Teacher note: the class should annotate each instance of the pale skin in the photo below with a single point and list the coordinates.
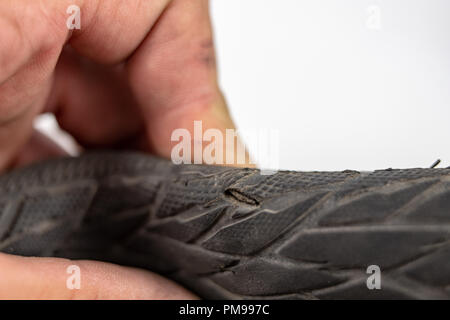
(137, 70)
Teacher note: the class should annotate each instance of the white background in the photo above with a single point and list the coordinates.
(342, 95)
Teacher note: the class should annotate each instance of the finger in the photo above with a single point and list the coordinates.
(174, 75)
(110, 31)
(47, 278)
(33, 34)
(27, 57)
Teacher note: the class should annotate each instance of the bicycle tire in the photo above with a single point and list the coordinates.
(228, 233)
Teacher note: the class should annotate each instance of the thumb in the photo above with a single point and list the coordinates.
(50, 278)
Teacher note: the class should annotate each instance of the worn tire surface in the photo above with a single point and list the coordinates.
(234, 233)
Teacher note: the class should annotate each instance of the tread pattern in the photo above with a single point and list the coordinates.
(235, 234)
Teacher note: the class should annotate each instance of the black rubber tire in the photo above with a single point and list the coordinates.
(234, 233)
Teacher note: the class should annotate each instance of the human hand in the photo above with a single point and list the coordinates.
(134, 72)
